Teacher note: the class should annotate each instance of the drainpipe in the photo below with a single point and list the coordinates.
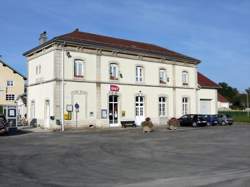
(62, 90)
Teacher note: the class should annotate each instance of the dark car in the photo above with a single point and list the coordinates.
(225, 119)
(4, 127)
(193, 120)
(212, 120)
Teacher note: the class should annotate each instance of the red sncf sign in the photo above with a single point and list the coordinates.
(114, 88)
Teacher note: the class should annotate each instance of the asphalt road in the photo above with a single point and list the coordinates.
(213, 156)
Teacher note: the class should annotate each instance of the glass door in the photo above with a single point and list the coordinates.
(139, 110)
(113, 110)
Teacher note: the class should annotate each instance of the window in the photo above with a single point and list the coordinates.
(162, 106)
(139, 74)
(10, 97)
(79, 68)
(10, 83)
(185, 78)
(113, 71)
(163, 76)
(185, 105)
(38, 69)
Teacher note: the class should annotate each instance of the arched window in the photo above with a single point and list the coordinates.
(113, 71)
(185, 78)
(79, 68)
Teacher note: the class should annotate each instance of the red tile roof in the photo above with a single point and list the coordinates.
(118, 44)
(222, 99)
(205, 82)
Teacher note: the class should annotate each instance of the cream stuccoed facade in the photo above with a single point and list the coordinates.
(103, 100)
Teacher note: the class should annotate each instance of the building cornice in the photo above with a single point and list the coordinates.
(109, 83)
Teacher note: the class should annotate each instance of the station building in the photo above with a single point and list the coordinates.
(82, 79)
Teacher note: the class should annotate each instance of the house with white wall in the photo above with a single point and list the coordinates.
(207, 95)
(81, 79)
(223, 103)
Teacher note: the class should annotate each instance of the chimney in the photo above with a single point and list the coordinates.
(43, 38)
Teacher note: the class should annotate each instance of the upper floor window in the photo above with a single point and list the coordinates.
(162, 106)
(38, 69)
(79, 68)
(163, 76)
(113, 71)
(185, 78)
(10, 97)
(185, 105)
(10, 83)
(139, 74)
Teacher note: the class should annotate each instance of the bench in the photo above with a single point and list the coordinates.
(128, 124)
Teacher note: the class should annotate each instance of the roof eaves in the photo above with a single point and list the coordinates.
(14, 71)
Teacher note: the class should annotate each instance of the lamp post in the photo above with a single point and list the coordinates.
(247, 105)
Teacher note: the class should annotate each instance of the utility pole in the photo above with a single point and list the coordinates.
(247, 105)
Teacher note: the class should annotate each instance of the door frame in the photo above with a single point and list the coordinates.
(46, 112)
(118, 110)
(139, 119)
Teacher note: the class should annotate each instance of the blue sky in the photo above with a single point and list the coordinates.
(216, 32)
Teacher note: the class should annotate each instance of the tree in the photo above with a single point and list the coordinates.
(227, 91)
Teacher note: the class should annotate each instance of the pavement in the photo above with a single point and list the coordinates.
(209, 156)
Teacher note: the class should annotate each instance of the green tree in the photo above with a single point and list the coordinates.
(228, 92)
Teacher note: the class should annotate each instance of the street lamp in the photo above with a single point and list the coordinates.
(247, 104)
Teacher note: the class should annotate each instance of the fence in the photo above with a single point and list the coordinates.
(238, 116)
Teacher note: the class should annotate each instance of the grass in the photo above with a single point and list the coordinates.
(238, 116)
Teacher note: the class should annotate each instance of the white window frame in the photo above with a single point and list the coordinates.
(10, 81)
(163, 76)
(79, 68)
(10, 97)
(185, 78)
(185, 105)
(113, 71)
(162, 106)
(139, 73)
(139, 105)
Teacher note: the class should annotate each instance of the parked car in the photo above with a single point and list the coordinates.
(212, 120)
(225, 119)
(4, 126)
(193, 120)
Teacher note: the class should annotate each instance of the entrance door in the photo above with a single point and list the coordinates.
(139, 110)
(47, 115)
(113, 110)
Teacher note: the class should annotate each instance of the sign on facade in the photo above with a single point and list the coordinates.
(114, 88)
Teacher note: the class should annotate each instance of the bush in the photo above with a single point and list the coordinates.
(238, 116)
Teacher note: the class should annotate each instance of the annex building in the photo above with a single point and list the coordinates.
(86, 79)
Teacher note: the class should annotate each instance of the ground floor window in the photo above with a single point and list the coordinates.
(162, 106)
(185, 105)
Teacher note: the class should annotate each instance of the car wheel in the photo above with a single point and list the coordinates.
(194, 124)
